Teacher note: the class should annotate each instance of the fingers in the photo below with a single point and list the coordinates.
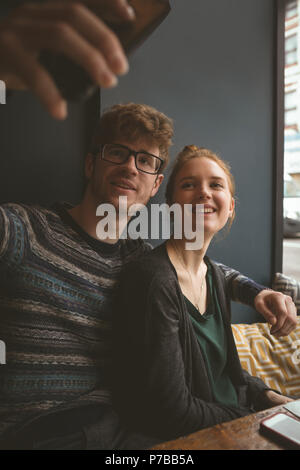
(279, 310)
(261, 305)
(276, 398)
(113, 11)
(61, 38)
(286, 315)
(64, 27)
(24, 65)
(63, 20)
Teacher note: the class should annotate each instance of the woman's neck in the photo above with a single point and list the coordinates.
(192, 259)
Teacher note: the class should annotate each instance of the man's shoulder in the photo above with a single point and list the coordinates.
(24, 211)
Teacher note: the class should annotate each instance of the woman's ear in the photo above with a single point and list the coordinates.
(232, 207)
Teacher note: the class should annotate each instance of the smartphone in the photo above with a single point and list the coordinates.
(293, 407)
(282, 428)
(149, 15)
(72, 81)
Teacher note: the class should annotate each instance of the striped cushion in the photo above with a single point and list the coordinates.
(288, 286)
(275, 361)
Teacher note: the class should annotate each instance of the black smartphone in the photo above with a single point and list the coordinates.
(282, 428)
(149, 15)
(72, 81)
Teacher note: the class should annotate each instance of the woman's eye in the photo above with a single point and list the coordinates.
(187, 185)
(217, 185)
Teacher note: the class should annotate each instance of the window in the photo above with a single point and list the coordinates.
(291, 184)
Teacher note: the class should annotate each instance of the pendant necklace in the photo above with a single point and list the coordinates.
(181, 260)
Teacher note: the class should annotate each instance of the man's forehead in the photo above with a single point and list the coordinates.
(147, 144)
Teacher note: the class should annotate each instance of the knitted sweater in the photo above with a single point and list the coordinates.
(56, 291)
(56, 285)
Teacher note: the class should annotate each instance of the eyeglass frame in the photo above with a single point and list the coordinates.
(99, 151)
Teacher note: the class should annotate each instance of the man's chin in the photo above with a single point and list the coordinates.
(121, 203)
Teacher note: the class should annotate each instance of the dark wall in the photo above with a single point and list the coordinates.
(41, 159)
(210, 67)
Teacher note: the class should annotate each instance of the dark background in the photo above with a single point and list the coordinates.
(210, 66)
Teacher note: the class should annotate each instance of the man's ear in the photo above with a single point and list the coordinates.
(89, 165)
(158, 180)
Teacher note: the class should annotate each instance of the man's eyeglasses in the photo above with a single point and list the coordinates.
(119, 154)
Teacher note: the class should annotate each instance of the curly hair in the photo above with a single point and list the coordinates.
(133, 121)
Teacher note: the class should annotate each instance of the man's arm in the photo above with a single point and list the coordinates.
(278, 309)
(75, 29)
(4, 232)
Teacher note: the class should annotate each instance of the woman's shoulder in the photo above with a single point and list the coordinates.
(153, 264)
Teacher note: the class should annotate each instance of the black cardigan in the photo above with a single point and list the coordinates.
(160, 382)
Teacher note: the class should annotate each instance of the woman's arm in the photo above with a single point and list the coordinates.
(150, 383)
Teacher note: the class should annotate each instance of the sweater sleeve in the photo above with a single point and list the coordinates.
(5, 230)
(13, 234)
(240, 288)
(150, 385)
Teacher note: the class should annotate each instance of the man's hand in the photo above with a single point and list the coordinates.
(276, 399)
(64, 27)
(278, 309)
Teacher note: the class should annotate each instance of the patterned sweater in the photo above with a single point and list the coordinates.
(56, 292)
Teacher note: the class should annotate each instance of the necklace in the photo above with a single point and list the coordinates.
(181, 260)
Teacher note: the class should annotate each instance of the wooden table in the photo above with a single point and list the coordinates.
(240, 434)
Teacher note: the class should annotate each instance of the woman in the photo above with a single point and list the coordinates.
(177, 365)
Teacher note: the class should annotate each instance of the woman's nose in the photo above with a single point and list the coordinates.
(204, 192)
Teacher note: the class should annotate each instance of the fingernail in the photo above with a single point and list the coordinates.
(60, 110)
(119, 64)
(131, 12)
(110, 81)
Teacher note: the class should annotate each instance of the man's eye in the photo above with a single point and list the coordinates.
(116, 153)
(146, 161)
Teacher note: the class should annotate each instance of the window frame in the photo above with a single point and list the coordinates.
(278, 171)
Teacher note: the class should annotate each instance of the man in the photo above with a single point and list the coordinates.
(57, 283)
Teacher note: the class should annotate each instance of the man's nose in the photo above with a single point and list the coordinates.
(130, 164)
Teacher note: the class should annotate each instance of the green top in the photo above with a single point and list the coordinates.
(210, 332)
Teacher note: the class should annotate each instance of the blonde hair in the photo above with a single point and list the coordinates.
(132, 121)
(188, 153)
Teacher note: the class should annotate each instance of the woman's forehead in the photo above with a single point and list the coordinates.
(202, 166)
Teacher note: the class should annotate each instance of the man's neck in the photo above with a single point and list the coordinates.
(85, 216)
